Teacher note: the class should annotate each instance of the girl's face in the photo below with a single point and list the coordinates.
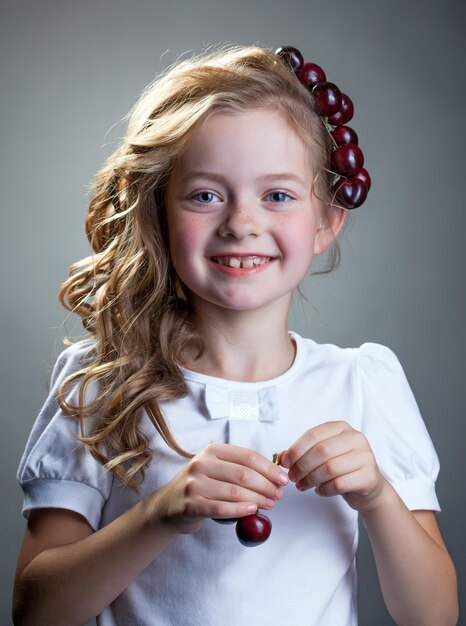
(242, 221)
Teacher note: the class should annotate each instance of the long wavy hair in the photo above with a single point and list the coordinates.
(127, 293)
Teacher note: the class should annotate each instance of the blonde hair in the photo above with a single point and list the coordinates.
(127, 293)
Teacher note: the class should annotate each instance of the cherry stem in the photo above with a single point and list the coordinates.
(329, 129)
(333, 140)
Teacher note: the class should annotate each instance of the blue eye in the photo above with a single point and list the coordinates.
(279, 196)
(203, 193)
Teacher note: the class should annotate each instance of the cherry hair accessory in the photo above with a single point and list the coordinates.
(352, 182)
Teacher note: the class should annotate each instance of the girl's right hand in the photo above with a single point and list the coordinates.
(222, 481)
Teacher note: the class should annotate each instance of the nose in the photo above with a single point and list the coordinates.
(241, 220)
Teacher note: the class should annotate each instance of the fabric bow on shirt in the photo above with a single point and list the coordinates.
(241, 404)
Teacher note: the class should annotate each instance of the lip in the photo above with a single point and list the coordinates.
(240, 271)
(240, 255)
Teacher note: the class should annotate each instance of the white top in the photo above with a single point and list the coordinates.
(306, 572)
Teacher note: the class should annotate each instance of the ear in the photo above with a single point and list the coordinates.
(332, 222)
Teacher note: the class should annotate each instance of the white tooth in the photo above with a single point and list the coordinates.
(248, 263)
(234, 262)
(258, 261)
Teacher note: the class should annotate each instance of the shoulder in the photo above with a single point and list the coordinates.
(77, 351)
(376, 353)
(377, 365)
(366, 355)
(369, 366)
(73, 358)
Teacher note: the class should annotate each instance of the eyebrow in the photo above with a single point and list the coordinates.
(264, 178)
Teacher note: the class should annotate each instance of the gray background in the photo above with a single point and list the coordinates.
(70, 72)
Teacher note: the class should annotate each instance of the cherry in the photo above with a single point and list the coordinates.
(364, 176)
(351, 193)
(344, 134)
(292, 56)
(225, 520)
(345, 112)
(311, 74)
(347, 159)
(327, 98)
(252, 530)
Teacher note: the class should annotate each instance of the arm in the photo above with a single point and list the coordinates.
(416, 574)
(67, 574)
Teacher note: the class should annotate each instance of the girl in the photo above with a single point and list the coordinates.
(202, 224)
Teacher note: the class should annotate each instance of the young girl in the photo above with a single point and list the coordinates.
(167, 416)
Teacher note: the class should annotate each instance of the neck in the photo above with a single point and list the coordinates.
(243, 345)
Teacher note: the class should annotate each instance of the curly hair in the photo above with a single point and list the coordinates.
(127, 293)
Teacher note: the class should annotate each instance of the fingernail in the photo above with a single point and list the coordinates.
(285, 461)
(291, 475)
(283, 479)
(252, 508)
(270, 502)
(301, 486)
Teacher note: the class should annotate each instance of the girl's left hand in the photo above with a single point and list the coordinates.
(338, 460)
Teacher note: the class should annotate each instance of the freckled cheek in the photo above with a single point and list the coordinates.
(187, 238)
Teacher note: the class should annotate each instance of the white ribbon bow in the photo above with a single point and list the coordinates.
(242, 405)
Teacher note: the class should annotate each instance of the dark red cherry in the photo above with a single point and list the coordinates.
(225, 520)
(292, 56)
(311, 74)
(344, 134)
(364, 176)
(351, 193)
(254, 529)
(327, 98)
(345, 112)
(347, 159)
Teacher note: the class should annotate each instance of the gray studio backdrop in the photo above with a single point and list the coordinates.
(71, 71)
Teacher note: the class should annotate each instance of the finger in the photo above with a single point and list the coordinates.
(217, 490)
(279, 457)
(243, 476)
(321, 452)
(251, 459)
(331, 469)
(341, 485)
(217, 509)
(309, 439)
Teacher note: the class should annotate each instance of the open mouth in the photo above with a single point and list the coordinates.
(241, 262)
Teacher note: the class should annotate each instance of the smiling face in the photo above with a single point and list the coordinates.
(242, 220)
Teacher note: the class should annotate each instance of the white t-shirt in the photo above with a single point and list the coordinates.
(306, 572)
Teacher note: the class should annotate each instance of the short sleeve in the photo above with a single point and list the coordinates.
(394, 427)
(56, 470)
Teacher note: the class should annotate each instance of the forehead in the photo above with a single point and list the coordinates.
(255, 141)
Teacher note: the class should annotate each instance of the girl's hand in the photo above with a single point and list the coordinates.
(222, 481)
(338, 460)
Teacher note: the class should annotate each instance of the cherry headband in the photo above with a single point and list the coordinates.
(336, 108)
